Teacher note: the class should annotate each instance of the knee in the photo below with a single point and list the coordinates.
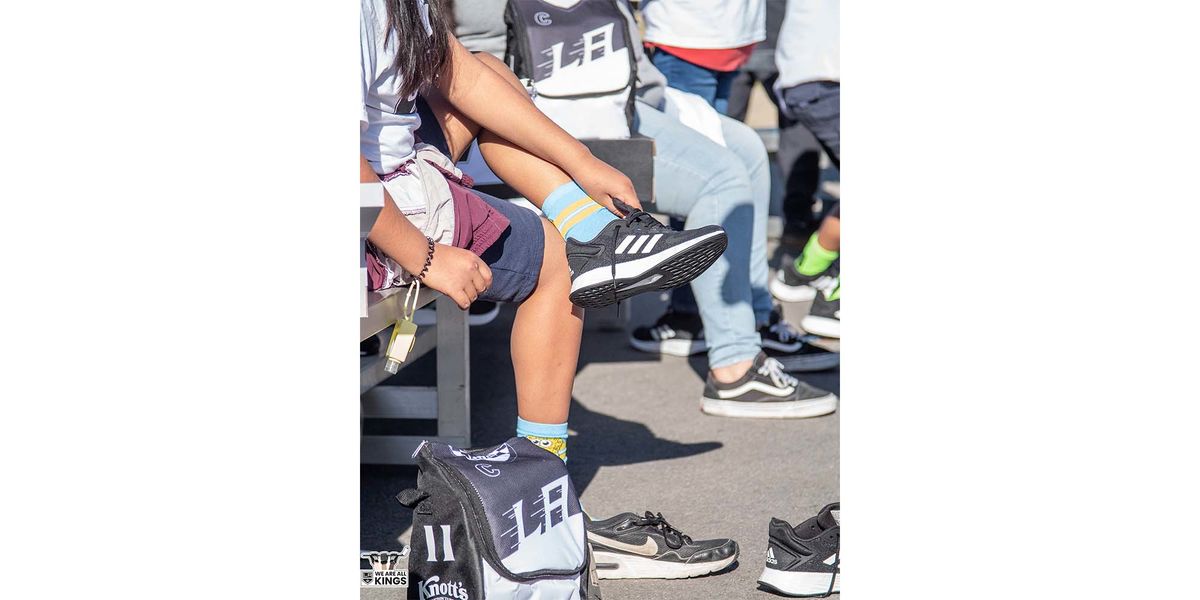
(555, 272)
(502, 69)
(730, 182)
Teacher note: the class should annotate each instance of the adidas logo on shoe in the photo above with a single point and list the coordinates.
(638, 254)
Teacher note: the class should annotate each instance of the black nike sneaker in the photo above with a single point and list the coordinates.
(631, 547)
(637, 254)
(802, 561)
(783, 342)
(677, 334)
(825, 316)
(789, 285)
(766, 391)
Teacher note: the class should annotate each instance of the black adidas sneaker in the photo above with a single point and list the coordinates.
(766, 391)
(783, 342)
(677, 334)
(789, 285)
(803, 560)
(631, 547)
(825, 316)
(637, 254)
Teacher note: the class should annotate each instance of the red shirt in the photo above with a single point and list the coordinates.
(717, 59)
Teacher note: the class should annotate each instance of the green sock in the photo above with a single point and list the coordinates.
(815, 259)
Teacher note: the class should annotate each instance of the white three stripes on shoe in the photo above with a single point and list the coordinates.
(653, 241)
(638, 240)
(638, 244)
(624, 244)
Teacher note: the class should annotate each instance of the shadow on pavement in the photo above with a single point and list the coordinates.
(610, 441)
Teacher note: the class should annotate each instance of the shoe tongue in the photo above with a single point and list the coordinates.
(830, 516)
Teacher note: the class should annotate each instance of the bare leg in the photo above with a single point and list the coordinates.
(830, 233)
(545, 339)
(529, 175)
(548, 327)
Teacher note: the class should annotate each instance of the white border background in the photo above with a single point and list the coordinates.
(1019, 399)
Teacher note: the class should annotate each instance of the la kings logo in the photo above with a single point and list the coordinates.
(547, 510)
(503, 453)
(436, 589)
(593, 45)
(387, 568)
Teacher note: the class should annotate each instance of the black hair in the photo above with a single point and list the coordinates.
(420, 56)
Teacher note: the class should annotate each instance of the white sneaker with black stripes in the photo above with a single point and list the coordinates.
(638, 254)
(766, 392)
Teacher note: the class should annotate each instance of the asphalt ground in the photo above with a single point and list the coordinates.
(640, 443)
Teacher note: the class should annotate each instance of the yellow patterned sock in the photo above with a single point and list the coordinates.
(551, 437)
(554, 445)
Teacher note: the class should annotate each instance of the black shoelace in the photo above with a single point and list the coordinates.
(674, 537)
(635, 218)
(837, 561)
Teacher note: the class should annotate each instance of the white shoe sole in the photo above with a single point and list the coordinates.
(795, 583)
(791, 293)
(610, 565)
(671, 347)
(637, 268)
(796, 409)
(822, 326)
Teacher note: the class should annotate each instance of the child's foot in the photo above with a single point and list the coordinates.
(766, 392)
(789, 285)
(781, 341)
(631, 547)
(677, 334)
(638, 254)
(825, 316)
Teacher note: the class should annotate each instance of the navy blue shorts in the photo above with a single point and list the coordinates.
(516, 258)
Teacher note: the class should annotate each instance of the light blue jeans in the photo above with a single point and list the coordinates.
(706, 184)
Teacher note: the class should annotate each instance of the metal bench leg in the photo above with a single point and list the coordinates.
(453, 372)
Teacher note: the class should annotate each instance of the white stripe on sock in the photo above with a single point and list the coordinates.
(638, 244)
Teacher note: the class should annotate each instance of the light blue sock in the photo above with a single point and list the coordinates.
(551, 437)
(574, 214)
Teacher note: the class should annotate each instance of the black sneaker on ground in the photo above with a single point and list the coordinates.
(637, 254)
(789, 285)
(631, 547)
(825, 316)
(677, 334)
(766, 391)
(784, 343)
(802, 561)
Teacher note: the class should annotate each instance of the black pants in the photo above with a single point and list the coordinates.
(798, 156)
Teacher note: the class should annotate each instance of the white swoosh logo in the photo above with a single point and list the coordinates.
(647, 548)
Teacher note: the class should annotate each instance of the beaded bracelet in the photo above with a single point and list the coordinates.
(428, 260)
